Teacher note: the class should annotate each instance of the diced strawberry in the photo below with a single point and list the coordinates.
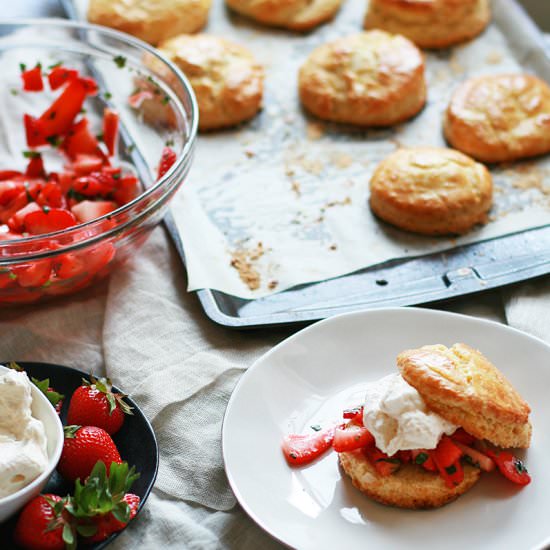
(463, 436)
(127, 189)
(51, 195)
(7, 279)
(9, 189)
(32, 80)
(79, 140)
(9, 210)
(86, 211)
(138, 98)
(510, 466)
(17, 221)
(59, 76)
(302, 449)
(355, 414)
(47, 221)
(384, 465)
(452, 475)
(33, 274)
(85, 164)
(476, 457)
(90, 85)
(110, 130)
(167, 159)
(65, 180)
(446, 453)
(9, 174)
(58, 118)
(351, 437)
(422, 457)
(35, 168)
(404, 456)
(34, 131)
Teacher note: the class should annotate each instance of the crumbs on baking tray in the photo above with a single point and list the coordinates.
(243, 261)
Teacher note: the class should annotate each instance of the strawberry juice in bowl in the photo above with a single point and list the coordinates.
(97, 134)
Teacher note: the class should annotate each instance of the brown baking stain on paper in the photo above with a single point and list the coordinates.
(243, 261)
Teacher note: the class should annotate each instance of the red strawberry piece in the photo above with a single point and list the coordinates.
(61, 75)
(83, 448)
(40, 524)
(168, 157)
(95, 404)
(86, 211)
(48, 220)
(110, 130)
(34, 131)
(32, 79)
(302, 449)
(35, 168)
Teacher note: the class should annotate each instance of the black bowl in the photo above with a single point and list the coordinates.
(135, 441)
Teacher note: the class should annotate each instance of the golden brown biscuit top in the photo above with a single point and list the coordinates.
(462, 372)
(430, 175)
(502, 105)
(212, 63)
(143, 10)
(369, 63)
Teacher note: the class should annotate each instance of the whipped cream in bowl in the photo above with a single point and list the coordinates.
(31, 440)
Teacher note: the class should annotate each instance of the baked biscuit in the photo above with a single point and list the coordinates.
(297, 15)
(225, 77)
(150, 20)
(432, 191)
(371, 79)
(500, 118)
(430, 23)
(463, 387)
(410, 487)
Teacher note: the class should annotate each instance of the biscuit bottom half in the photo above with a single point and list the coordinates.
(410, 487)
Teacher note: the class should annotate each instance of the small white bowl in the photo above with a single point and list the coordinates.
(43, 410)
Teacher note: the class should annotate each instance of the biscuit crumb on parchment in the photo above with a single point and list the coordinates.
(243, 261)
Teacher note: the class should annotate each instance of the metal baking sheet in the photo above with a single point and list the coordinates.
(412, 281)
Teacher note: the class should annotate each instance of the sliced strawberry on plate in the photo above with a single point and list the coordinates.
(384, 464)
(83, 447)
(301, 449)
(95, 404)
(510, 466)
(87, 211)
(351, 437)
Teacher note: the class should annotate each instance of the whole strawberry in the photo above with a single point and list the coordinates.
(102, 505)
(41, 524)
(82, 448)
(95, 404)
(109, 524)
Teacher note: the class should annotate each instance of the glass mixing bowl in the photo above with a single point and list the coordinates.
(76, 257)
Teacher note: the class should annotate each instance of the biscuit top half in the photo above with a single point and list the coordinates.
(462, 386)
(369, 63)
(502, 107)
(432, 177)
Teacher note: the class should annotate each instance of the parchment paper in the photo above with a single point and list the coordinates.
(282, 200)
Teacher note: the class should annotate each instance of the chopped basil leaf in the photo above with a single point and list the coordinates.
(12, 276)
(23, 67)
(120, 61)
(13, 91)
(55, 65)
(100, 136)
(519, 466)
(421, 458)
(165, 100)
(116, 176)
(108, 95)
(293, 455)
(169, 142)
(316, 427)
(451, 470)
(471, 461)
(52, 115)
(31, 154)
(54, 141)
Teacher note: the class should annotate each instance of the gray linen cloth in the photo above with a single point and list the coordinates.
(143, 330)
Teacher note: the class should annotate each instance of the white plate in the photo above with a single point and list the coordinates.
(312, 376)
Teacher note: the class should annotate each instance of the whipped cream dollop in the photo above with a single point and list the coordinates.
(23, 444)
(397, 417)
